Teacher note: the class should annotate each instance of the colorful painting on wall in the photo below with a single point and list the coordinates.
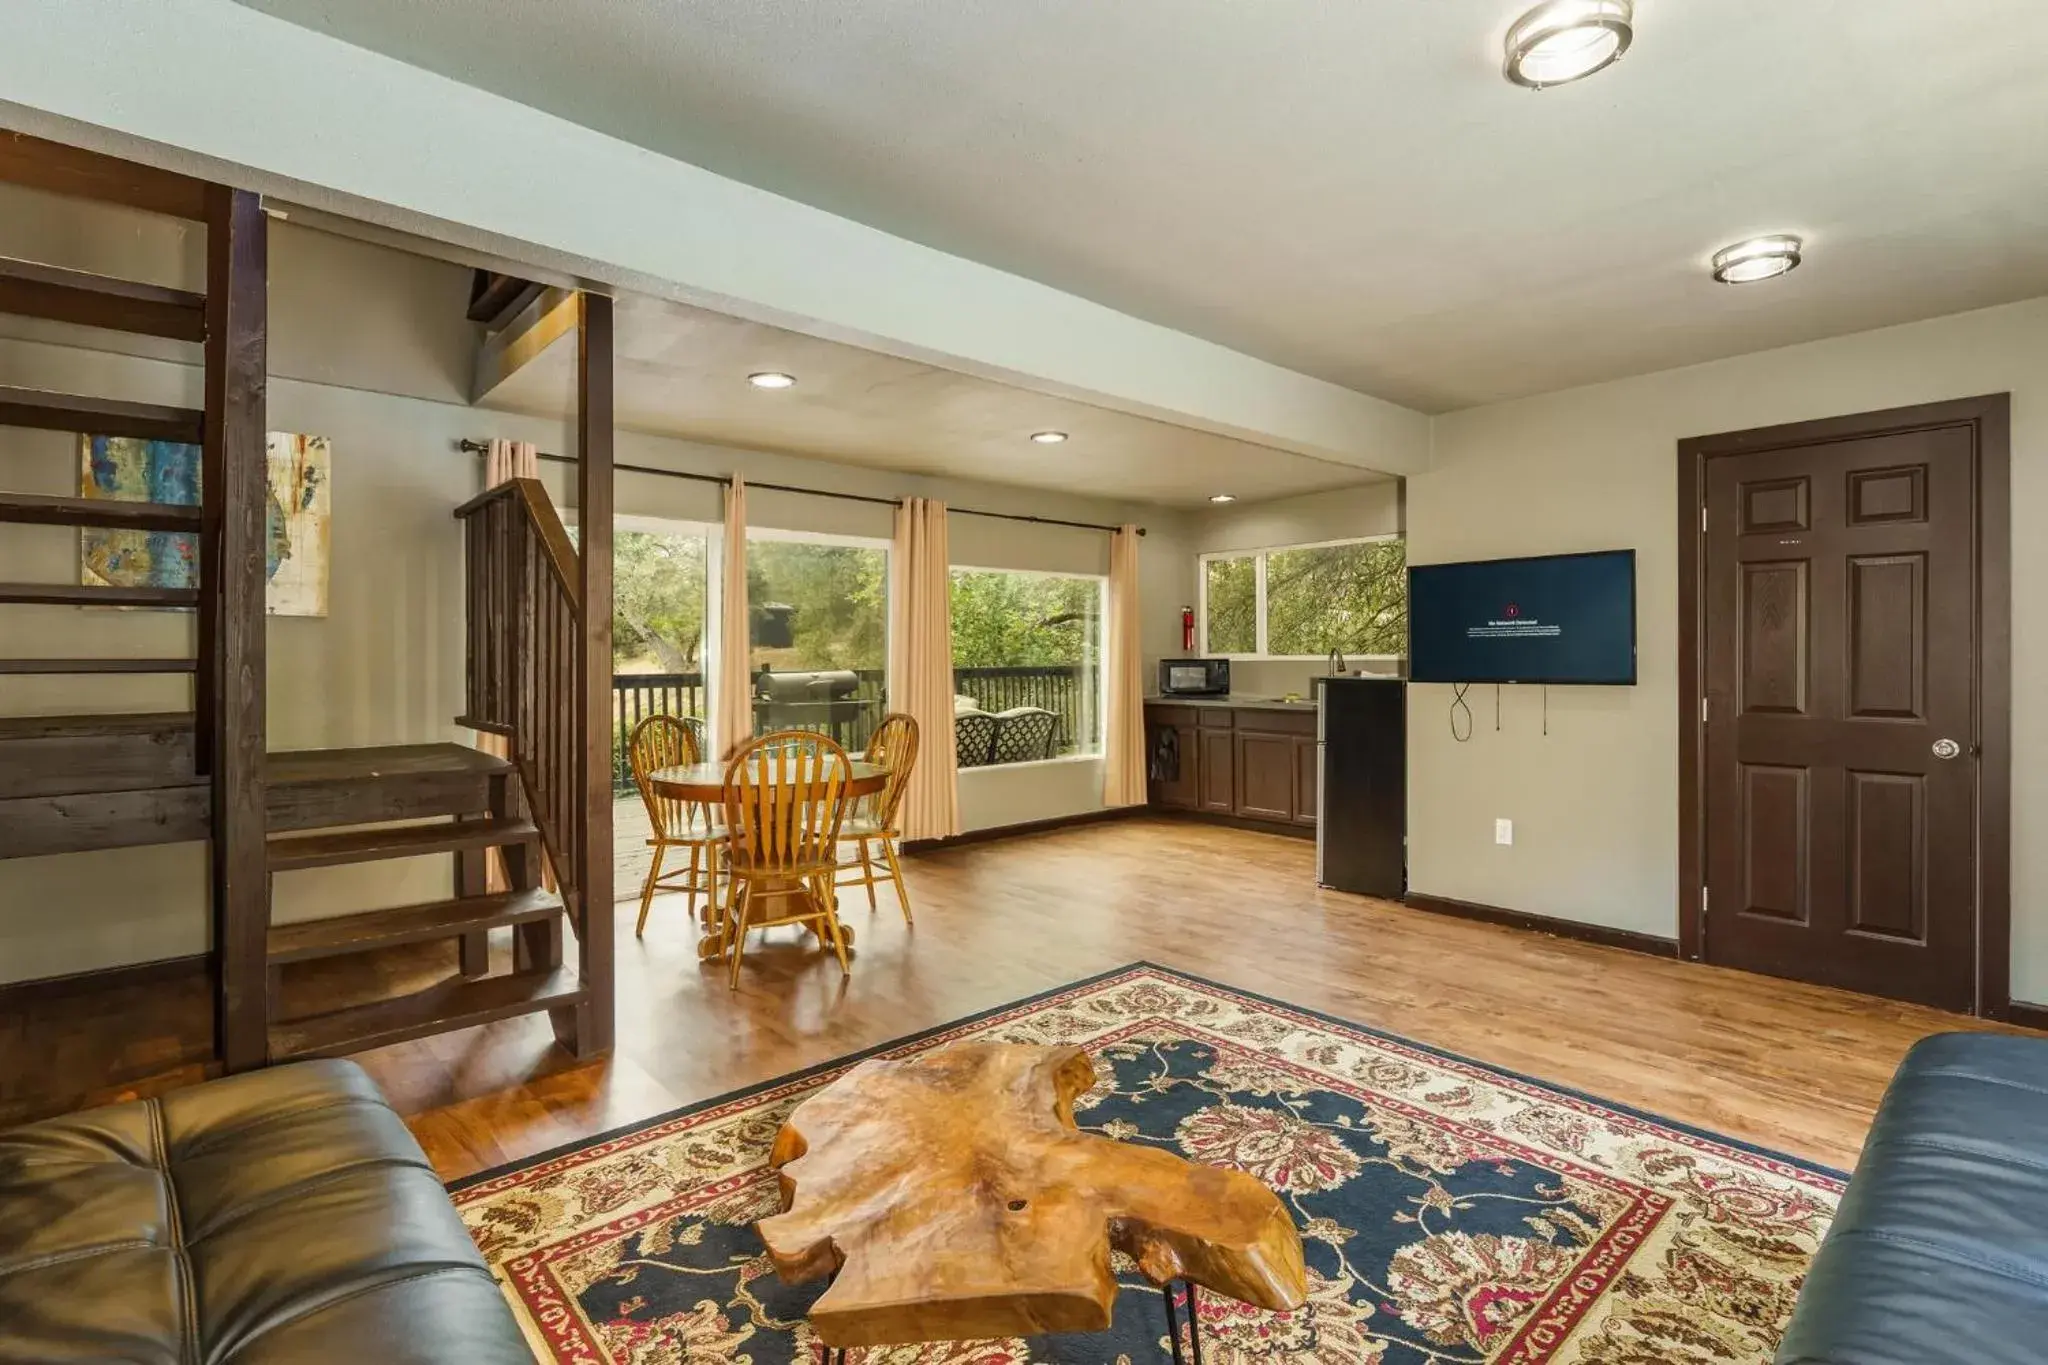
(296, 521)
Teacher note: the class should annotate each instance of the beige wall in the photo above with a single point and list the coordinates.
(1373, 509)
(1595, 802)
(363, 352)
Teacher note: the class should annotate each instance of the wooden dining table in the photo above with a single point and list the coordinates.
(704, 783)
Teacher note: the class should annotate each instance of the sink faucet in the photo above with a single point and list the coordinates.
(1336, 663)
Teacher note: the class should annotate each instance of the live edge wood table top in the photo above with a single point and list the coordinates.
(952, 1198)
(706, 781)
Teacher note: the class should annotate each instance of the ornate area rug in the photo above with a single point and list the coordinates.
(1451, 1213)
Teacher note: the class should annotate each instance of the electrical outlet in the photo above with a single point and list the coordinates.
(1504, 831)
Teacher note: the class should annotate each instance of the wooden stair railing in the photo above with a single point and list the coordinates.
(525, 624)
(525, 647)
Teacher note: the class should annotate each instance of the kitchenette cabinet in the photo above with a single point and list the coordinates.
(1240, 760)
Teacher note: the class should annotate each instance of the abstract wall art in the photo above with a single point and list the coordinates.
(297, 517)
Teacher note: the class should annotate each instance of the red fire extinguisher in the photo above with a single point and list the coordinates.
(1187, 629)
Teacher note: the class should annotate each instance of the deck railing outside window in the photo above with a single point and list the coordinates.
(1067, 691)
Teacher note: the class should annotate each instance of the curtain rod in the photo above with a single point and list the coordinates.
(484, 447)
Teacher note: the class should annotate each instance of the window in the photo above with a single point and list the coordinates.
(818, 630)
(1027, 651)
(659, 611)
(1302, 601)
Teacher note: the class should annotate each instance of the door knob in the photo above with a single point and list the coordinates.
(1946, 748)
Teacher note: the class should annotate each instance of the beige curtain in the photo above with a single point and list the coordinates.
(1123, 741)
(921, 665)
(732, 699)
(503, 462)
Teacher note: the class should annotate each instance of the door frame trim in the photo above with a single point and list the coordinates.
(1990, 418)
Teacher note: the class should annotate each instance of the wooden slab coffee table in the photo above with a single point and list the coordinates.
(951, 1198)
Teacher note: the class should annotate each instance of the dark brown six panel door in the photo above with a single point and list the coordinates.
(1841, 735)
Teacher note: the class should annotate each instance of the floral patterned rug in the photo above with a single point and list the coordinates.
(1452, 1214)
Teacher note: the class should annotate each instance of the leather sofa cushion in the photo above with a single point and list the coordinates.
(1939, 1253)
(282, 1216)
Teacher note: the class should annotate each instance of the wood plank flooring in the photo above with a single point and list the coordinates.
(1792, 1067)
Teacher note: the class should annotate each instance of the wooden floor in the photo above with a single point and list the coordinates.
(1792, 1067)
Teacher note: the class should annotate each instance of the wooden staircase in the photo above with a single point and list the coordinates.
(72, 784)
(335, 806)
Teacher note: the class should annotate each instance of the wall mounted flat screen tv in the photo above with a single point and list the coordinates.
(1551, 619)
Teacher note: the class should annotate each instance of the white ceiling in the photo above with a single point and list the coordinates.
(1350, 190)
(681, 371)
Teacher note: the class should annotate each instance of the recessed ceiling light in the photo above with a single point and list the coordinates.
(1566, 40)
(771, 379)
(1048, 438)
(1759, 258)
(1223, 497)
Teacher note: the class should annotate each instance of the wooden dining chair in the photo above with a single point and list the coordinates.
(892, 748)
(669, 742)
(785, 799)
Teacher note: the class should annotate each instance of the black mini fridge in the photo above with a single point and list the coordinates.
(1362, 786)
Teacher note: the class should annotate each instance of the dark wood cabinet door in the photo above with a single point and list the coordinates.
(1218, 768)
(1306, 776)
(1265, 776)
(1841, 738)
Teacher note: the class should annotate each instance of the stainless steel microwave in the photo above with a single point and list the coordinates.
(1194, 677)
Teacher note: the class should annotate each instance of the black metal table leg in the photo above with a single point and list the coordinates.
(1173, 1324)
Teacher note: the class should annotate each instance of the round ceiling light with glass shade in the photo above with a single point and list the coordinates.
(1568, 40)
(1048, 438)
(771, 379)
(1759, 258)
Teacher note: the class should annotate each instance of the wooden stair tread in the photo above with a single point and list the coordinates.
(77, 595)
(31, 289)
(378, 761)
(411, 841)
(100, 416)
(408, 924)
(94, 726)
(32, 509)
(82, 666)
(453, 1004)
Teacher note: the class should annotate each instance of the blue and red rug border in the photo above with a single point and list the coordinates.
(681, 1111)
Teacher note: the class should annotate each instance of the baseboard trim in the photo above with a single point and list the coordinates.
(982, 836)
(2026, 1015)
(16, 994)
(1233, 822)
(1627, 939)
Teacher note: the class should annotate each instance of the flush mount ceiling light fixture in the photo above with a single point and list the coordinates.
(1759, 258)
(1048, 438)
(772, 379)
(1567, 40)
(1223, 497)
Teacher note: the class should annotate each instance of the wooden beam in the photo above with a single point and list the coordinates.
(550, 319)
(594, 1015)
(232, 579)
(99, 416)
(32, 290)
(52, 166)
(495, 299)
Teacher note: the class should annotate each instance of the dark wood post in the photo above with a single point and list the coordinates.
(232, 579)
(592, 806)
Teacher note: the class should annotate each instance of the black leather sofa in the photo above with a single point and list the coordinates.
(284, 1217)
(1939, 1254)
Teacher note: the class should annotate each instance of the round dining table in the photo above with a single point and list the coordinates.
(705, 783)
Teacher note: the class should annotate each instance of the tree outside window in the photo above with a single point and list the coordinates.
(1302, 601)
(1025, 642)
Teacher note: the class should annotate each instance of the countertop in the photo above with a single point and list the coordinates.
(1236, 701)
